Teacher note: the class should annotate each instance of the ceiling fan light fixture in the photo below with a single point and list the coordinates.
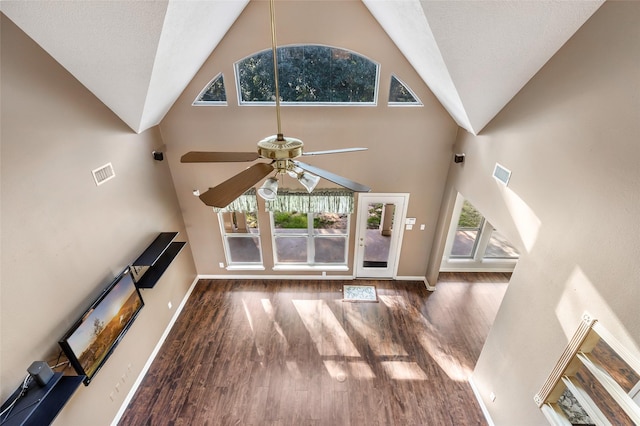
(308, 180)
(269, 189)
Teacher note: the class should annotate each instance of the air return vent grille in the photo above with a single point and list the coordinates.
(502, 174)
(103, 174)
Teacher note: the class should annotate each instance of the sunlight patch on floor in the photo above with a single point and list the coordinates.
(430, 340)
(268, 309)
(354, 369)
(294, 369)
(403, 370)
(380, 344)
(248, 314)
(324, 328)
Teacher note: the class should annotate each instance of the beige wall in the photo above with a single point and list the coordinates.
(409, 148)
(64, 238)
(570, 138)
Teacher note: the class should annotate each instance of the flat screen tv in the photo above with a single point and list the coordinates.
(94, 336)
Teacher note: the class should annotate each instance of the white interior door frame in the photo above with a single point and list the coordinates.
(401, 201)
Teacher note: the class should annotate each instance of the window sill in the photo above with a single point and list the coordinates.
(245, 268)
(311, 268)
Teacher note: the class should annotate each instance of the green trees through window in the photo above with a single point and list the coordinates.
(214, 93)
(309, 74)
(400, 94)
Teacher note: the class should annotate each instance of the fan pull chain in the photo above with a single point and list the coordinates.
(280, 136)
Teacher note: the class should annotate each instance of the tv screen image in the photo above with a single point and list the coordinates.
(93, 337)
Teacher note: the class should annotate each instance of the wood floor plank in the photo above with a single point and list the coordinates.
(289, 352)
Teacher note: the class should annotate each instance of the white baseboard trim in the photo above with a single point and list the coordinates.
(423, 279)
(473, 268)
(307, 277)
(483, 407)
(155, 351)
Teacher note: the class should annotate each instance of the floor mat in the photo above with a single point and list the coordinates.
(359, 293)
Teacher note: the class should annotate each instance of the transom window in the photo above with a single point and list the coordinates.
(401, 95)
(213, 93)
(311, 74)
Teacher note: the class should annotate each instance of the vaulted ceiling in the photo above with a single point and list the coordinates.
(138, 56)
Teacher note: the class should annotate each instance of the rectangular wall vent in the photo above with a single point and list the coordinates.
(502, 174)
(103, 174)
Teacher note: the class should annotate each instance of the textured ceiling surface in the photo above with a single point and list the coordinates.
(138, 56)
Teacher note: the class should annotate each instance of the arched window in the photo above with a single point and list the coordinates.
(309, 74)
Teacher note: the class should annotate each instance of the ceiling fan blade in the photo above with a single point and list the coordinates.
(223, 194)
(342, 181)
(334, 151)
(218, 157)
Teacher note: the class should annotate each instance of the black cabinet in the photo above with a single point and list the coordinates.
(154, 261)
(40, 404)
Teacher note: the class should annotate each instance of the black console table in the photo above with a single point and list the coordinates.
(157, 258)
(40, 404)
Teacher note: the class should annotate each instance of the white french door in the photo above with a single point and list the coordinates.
(379, 233)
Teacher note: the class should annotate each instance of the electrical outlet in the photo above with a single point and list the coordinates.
(221, 264)
(422, 227)
(169, 305)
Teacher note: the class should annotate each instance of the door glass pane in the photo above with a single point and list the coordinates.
(378, 236)
(330, 249)
(468, 232)
(291, 249)
(500, 248)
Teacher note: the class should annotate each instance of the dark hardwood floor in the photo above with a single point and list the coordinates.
(287, 352)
